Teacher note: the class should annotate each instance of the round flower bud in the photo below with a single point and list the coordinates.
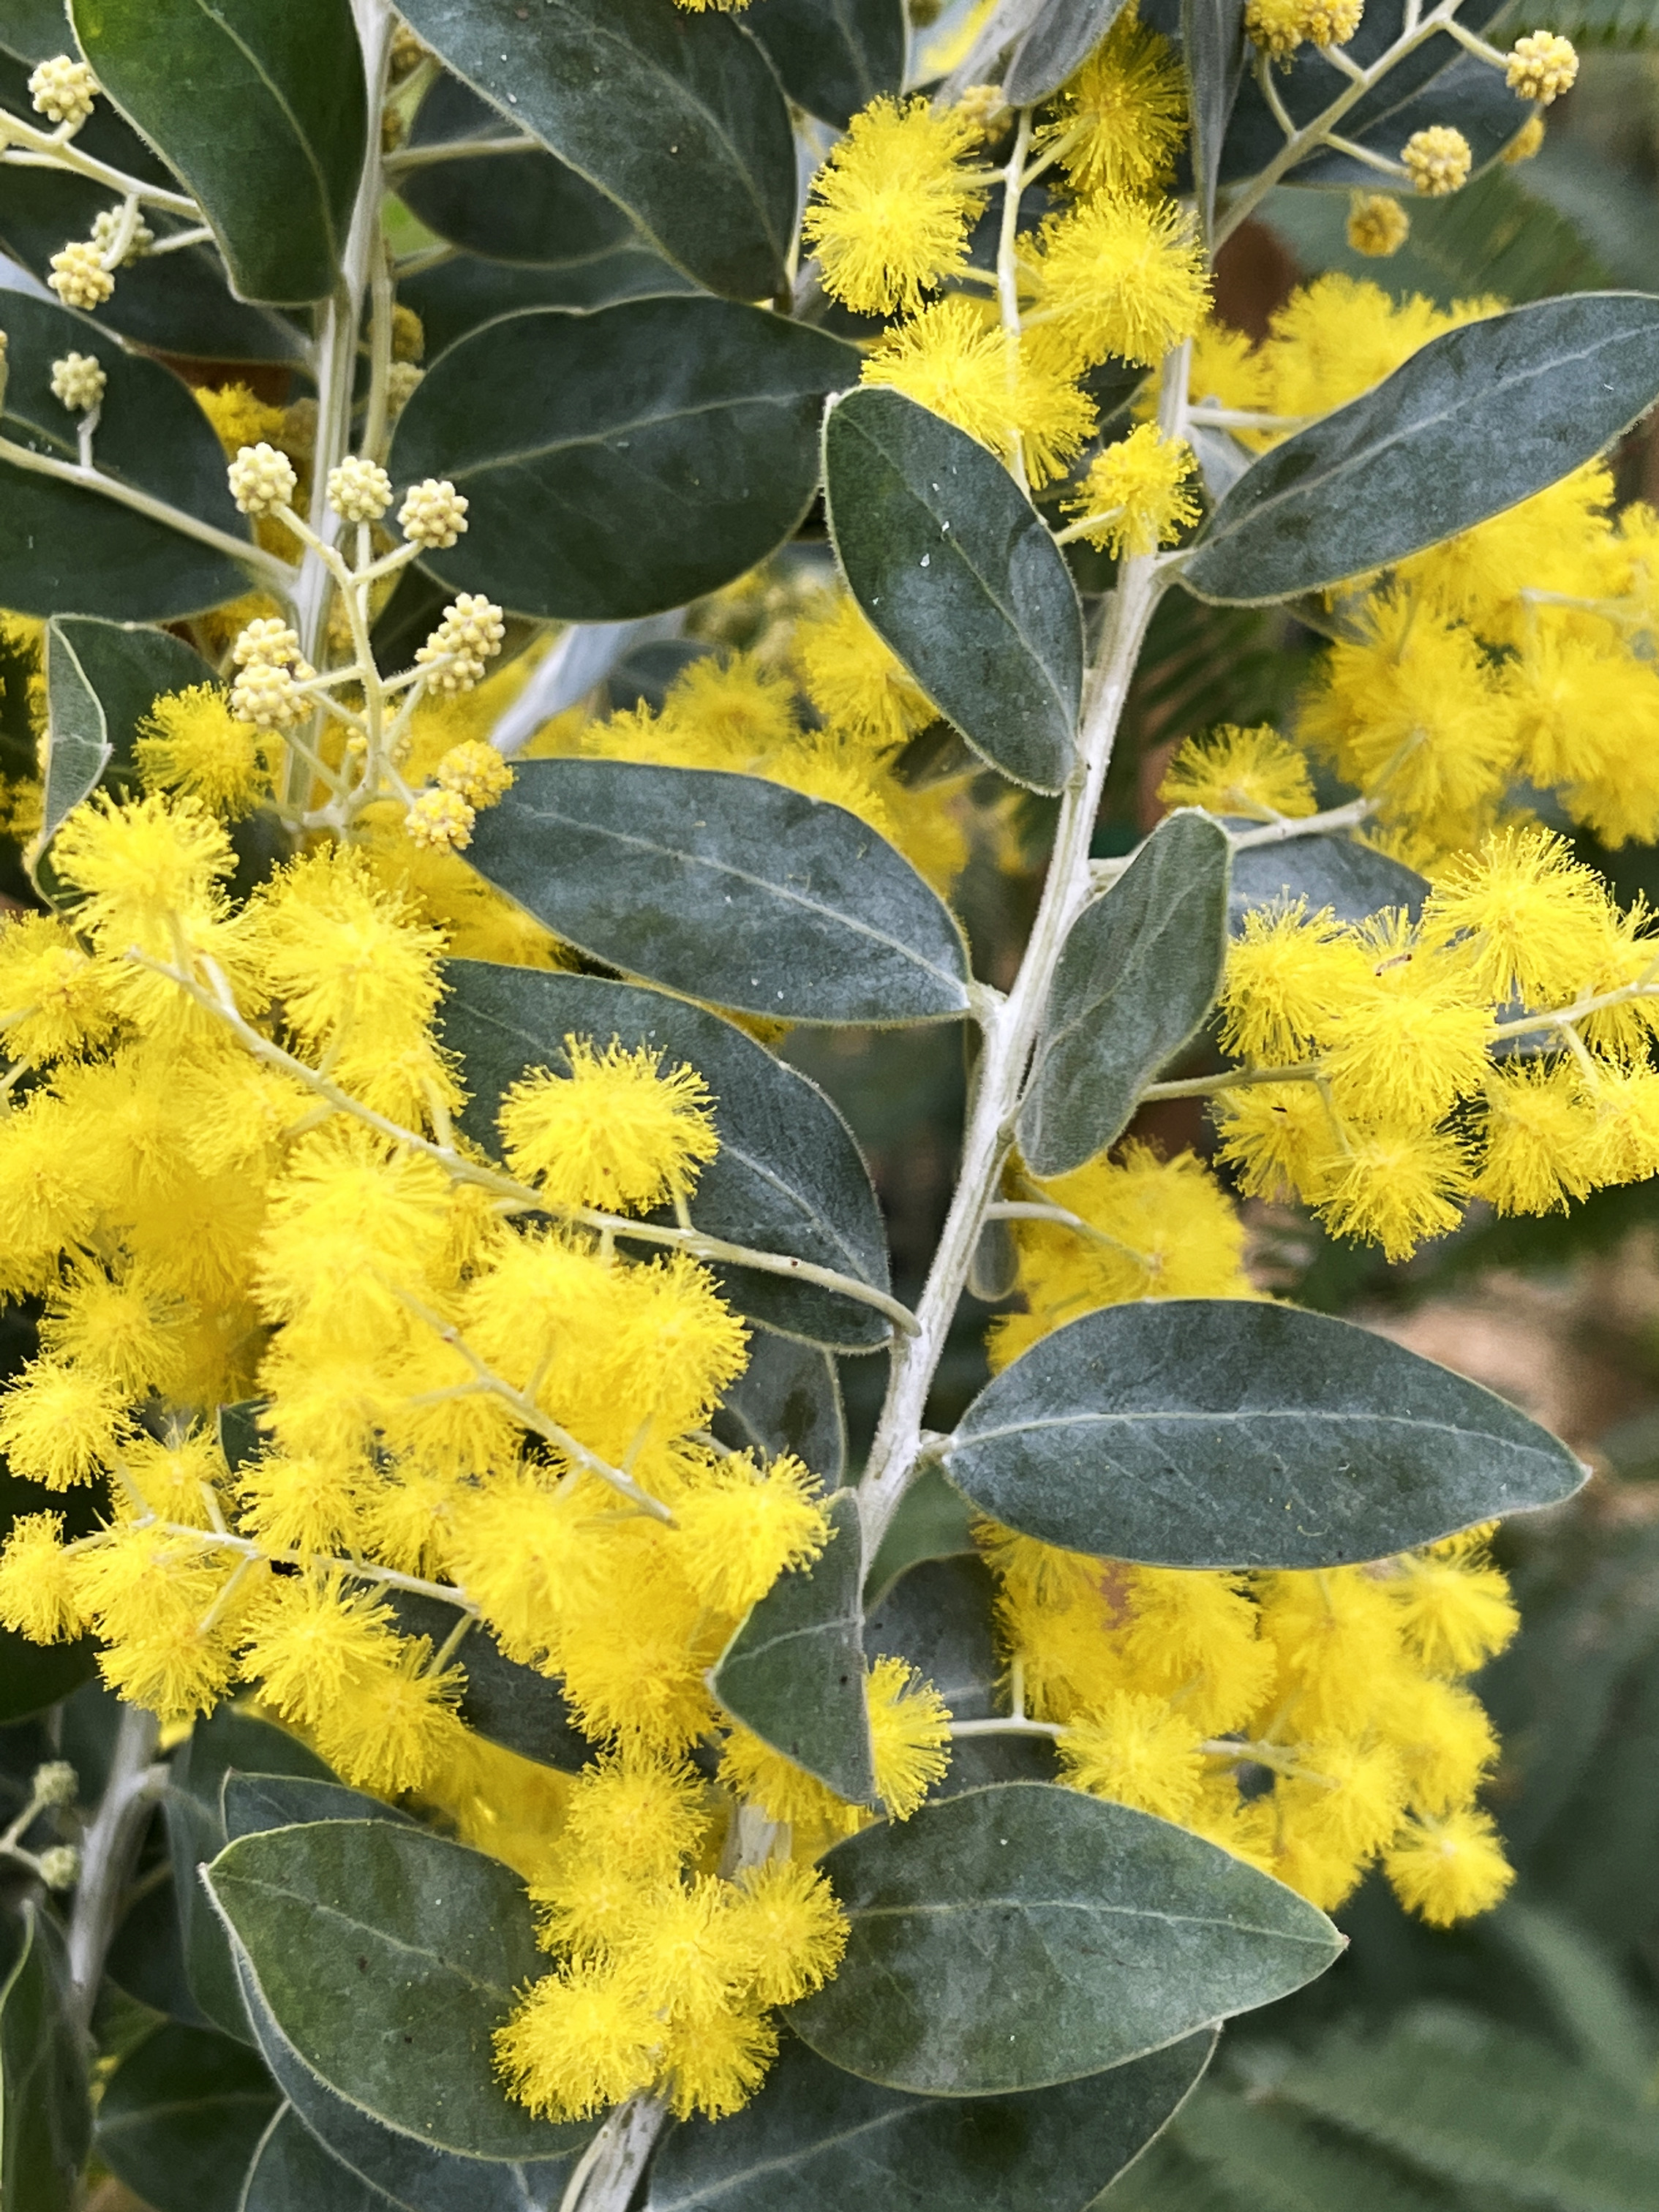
(269, 696)
(406, 53)
(267, 640)
(60, 1866)
(78, 381)
(1378, 224)
(79, 276)
(1526, 141)
(407, 335)
(474, 623)
(433, 514)
(1438, 160)
(359, 490)
(1543, 66)
(1280, 27)
(441, 818)
(261, 479)
(474, 771)
(64, 90)
(980, 105)
(401, 379)
(105, 226)
(54, 1784)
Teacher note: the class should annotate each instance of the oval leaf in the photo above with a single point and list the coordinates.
(292, 2172)
(1476, 421)
(1230, 1432)
(623, 462)
(1024, 1935)
(1139, 973)
(794, 1671)
(446, 1937)
(1337, 871)
(834, 56)
(458, 294)
(706, 162)
(182, 2116)
(815, 2135)
(512, 207)
(726, 887)
(511, 1704)
(953, 565)
(46, 2118)
(1064, 35)
(68, 545)
(1213, 51)
(788, 1177)
(102, 678)
(256, 108)
(788, 1400)
(251, 1803)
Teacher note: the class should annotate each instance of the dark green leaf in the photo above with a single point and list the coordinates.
(251, 1803)
(257, 109)
(1214, 52)
(834, 56)
(1334, 871)
(102, 678)
(788, 1400)
(146, 1958)
(726, 887)
(512, 207)
(794, 1671)
(626, 461)
(66, 546)
(705, 165)
(815, 2136)
(1478, 419)
(511, 1704)
(445, 1937)
(1223, 1432)
(952, 564)
(32, 29)
(1062, 39)
(414, 2177)
(459, 294)
(292, 2172)
(241, 1437)
(787, 1178)
(1025, 1934)
(181, 2118)
(1138, 976)
(46, 2119)
(934, 1521)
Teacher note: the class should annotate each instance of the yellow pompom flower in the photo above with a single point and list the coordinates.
(299, 1505)
(1279, 1139)
(1121, 276)
(37, 1590)
(741, 1526)
(190, 743)
(61, 1426)
(338, 948)
(1438, 160)
(1254, 773)
(180, 1478)
(310, 1637)
(1523, 916)
(1407, 1036)
(1541, 66)
(855, 680)
(791, 1928)
(475, 772)
(394, 1724)
(952, 358)
(637, 1812)
(520, 1551)
(1120, 122)
(140, 864)
(1136, 1750)
(1541, 1138)
(1455, 1607)
(910, 1734)
(1137, 495)
(1394, 1187)
(715, 2065)
(582, 2039)
(892, 209)
(1377, 225)
(1348, 1798)
(126, 1330)
(1447, 1869)
(618, 1132)
(1281, 978)
(54, 995)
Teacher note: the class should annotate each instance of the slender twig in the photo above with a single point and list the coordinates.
(109, 1850)
(1286, 826)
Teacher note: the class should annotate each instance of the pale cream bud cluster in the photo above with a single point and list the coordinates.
(107, 228)
(267, 691)
(980, 106)
(359, 490)
(79, 276)
(1280, 27)
(433, 515)
(1541, 66)
(401, 378)
(60, 1866)
(441, 819)
(64, 90)
(474, 771)
(1438, 160)
(54, 1784)
(470, 634)
(78, 381)
(261, 479)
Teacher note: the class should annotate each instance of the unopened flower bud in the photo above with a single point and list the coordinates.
(401, 379)
(105, 227)
(406, 53)
(79, 276)
(407, 335)
(441, 818)
(261, 479)
(474, 771)
(64, 90)
(54, 1784)
(1280, 27)
(433, 514)
(1543, 66)
(268, 695)
(1378, 224)
(60, 1866)
(1438, 160)
(78, 381)
(267, 640)
(359, 490)
(980, 106)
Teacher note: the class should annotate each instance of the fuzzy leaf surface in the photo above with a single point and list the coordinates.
(1230, 1432)
(182, 2117)
(1213, 51)
(1025, 1934)
(251, 1803)
(833, 56)
(292, 2172)
(1139, 973)
(1334, 871)
(46, 2119)
(458, 294)
(1478, 420)
(1060, 40)
(256, 108)
(793, 1674)
(788, 1176)
(952, 565)
(816, 2136)
(726, 887)
(623, 462)
(706, 164)
(523, 207)
(788, 1400)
